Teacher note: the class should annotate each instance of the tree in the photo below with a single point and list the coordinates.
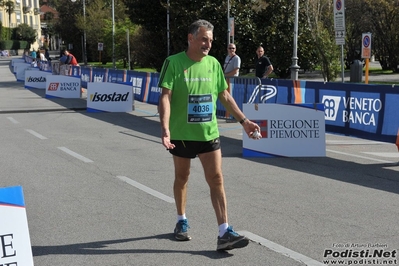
(9, 8)
(151, 16)
(385, 36)
(319, 18)
(26, 33)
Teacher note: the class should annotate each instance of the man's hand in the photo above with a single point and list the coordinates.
(166, 140)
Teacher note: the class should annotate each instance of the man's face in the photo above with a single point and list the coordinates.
(201, 43)
(231, 49)
(260, 52)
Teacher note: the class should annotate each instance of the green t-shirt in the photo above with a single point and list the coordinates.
(195, 87)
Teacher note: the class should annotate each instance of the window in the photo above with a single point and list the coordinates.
(18, 17)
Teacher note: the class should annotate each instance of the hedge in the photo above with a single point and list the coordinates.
(14, 45)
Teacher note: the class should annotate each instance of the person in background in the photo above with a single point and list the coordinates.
(192, 81)
(232, 62)
(70, 58)
(263, 67)
(33, 54)
(47, 54)
(42, 56)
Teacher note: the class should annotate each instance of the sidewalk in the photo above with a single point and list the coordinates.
(317, 76)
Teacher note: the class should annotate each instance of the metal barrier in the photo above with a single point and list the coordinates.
(241, 89)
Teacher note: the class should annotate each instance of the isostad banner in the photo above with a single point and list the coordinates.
(109, 97)
(36, 79)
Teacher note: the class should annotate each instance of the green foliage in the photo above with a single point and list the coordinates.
(270, 23)
(25, 32)
(14, 45)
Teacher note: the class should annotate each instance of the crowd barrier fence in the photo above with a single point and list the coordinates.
(359, 110)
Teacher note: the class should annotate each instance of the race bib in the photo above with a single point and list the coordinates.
(200, 108)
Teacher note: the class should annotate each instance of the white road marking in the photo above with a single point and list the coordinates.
(147, 189)
(384, 154)
(359, 156)
(356, 142)
(13, 120)
(34, 133)
(76, 155)
(281, 250)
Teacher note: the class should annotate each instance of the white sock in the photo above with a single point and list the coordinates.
(181, 217)
(223, 229)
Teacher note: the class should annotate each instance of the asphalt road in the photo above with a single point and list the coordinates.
(98, 191)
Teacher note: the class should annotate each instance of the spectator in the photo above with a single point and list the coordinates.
(33, 54)
(232, 62)
(70, 58)
(263, 66)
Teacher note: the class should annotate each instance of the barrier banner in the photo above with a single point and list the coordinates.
(109, 97)
(288, 130)
(21, 72)
(140, 82)
(35, 79)
(85, 76)
(15, 245)
(116, 76)
(152, 92)
(75, 72)
(366, 111)
(29, 59)
(55, 67)
(17, 60)
(99, 74)
(19, 66)
(58, 86)
(45, 66)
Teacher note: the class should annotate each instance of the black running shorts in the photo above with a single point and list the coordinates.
(190, 149)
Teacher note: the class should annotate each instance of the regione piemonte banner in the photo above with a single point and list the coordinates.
(288, 130)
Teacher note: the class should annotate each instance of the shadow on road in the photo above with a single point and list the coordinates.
(103, 248)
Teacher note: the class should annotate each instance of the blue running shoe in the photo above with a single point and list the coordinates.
(231, 240)
(181, 230)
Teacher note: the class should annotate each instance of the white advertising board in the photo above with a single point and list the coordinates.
(18, 67)
(15, 245)
(58, 86)
(109, 97)
(36, 79)
(296, 130)
(21, 73)
(17, 60)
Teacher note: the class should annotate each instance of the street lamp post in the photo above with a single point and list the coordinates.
(113, 34)
(294, 66)
(84, 31)
(228, 22)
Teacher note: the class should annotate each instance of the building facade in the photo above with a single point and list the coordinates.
(25, 11)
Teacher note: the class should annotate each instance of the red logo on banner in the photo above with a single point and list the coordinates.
(263, 127)
(53, 86)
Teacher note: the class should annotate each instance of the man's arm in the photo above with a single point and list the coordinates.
(232, 73)
(164, 116)
(268, 71)
(231, 106)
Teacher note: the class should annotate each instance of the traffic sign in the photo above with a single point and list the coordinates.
(339, 21)
(339, 15)
(366, 45)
